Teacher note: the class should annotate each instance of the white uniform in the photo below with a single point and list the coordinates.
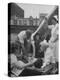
(54, 33)
(48, 56)
(51, 53)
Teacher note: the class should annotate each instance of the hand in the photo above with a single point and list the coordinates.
(31, 68)
(33, 60)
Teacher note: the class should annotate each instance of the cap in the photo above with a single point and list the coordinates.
(55, 17)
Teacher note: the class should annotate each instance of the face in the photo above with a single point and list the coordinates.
(53, 22)
(37, 37)
(29, 57)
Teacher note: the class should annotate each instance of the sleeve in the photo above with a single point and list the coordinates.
(21, 37)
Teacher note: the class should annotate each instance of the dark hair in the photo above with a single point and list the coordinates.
(36, 35)
(29, 32)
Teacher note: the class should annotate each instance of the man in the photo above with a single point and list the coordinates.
(18, 66)
(26, 41)
(54, 36)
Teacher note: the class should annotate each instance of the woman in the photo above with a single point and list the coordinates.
(54, 37)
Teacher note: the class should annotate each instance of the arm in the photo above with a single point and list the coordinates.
(33, 45)
(21, 65)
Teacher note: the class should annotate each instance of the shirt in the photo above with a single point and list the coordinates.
(54, 34)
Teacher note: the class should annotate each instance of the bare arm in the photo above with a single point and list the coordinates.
(33, 45)
(21, 65)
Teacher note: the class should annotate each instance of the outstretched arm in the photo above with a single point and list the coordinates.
(21, 65)
(33, 45)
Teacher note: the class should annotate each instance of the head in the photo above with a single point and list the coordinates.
(29, 57)
(37, 37)
(54, 20)
(28, 33)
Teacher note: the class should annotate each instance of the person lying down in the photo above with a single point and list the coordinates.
(17, 66)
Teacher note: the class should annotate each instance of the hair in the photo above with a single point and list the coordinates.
(28, 32)
(36, 35)
(54, 19)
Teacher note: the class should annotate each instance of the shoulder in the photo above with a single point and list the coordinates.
(13, 58)
(22, 33)
(57, 26)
